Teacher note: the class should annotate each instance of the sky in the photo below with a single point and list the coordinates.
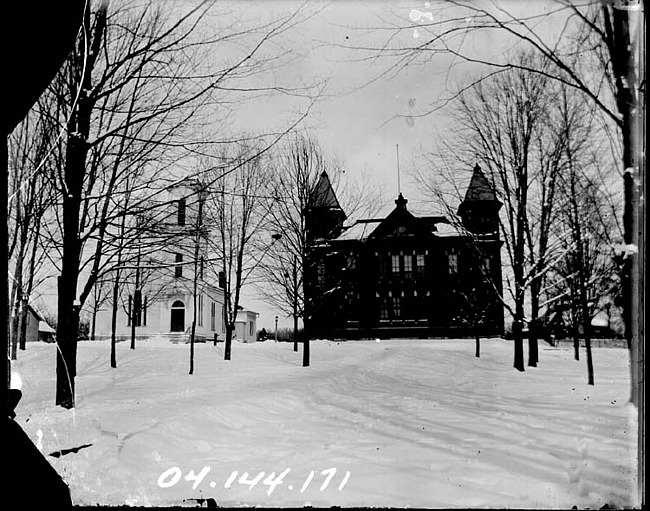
(367, 118)
(364, 118)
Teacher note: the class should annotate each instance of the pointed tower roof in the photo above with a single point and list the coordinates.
(323, 195)
(479, 188)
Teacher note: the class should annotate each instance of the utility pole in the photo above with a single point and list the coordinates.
(276, 328)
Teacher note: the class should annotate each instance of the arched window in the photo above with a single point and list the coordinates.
(178, 316)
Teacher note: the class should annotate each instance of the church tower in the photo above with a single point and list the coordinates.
(479, 211)
(324, 216)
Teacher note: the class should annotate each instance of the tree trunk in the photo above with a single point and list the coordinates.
(478, 346)
(228, 342)
(15, 321)
(533, 327)
(136, 310)
(305, 352)
(627, 34)
(93, 321)
(295, 332)
(295, 304)
(116, 297)
(193, 332)
(517, 334)
(78, 130)
(22, 336)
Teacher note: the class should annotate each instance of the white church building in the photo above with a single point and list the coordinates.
(170, 279)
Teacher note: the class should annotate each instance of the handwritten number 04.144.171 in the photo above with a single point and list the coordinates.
(173, 475)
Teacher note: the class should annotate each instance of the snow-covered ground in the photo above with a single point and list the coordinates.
(399, 423)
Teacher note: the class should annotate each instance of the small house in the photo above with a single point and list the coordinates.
(246, 326)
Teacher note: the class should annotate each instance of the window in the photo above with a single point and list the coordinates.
(182, 207)
(137, 310)
(394, 263)
(397, 307)
(200, 311)
(486, 268)
(420, 265)
(408, 266)
(453, 262)
(320, 269)
(384, 309)
(352, 261)
(213, 317)
(179, 266)
(251, 329)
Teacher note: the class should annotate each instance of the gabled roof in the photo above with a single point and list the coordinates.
(323, 195)
(479, 188)
(401, 222)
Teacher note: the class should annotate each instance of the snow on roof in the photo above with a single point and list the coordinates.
(44, 327)
(360, 229)
(446, 229)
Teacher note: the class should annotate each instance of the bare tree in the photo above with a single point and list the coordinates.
(595, 48)
(129, 105)
(586, 214)
(298, 165)
(501, 125)
(234, 213)
(29, 198)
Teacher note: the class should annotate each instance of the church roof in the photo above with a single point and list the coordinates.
(479, 188)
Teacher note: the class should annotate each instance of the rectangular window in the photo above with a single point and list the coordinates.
(486, 266)
(383, 261)
(251, 329)
(397, 307)
(394, 263)
(352, 261)
(178, 271)
(384, 309)
(453, 262)
(182, 207)
(213, 316)
(320, 269)
(419, 261)
(408, 266)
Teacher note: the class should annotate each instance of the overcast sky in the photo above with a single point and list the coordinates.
(365, 115)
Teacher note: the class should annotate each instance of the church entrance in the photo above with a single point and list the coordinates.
(178, 316)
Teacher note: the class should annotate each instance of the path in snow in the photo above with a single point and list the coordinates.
(417, 423)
